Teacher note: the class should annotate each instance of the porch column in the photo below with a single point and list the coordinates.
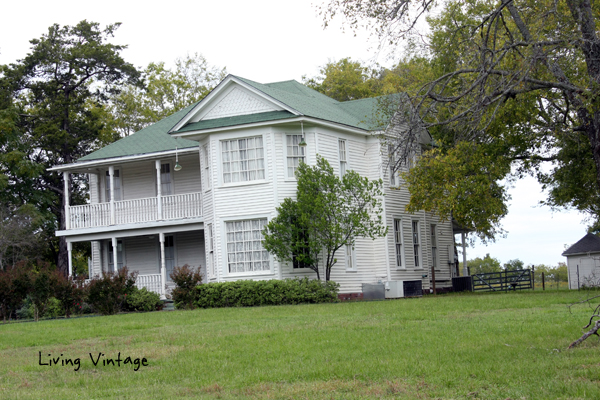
(111, 174)
(115, 250)
(158, 190)
(70, 257)
(66, 196)
(464, 246)
(163, 264)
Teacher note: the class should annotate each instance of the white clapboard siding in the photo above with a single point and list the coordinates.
(138, 180)
(188, 179)
(94, 188)
(96, 259)
(190, 249)
(142, 254)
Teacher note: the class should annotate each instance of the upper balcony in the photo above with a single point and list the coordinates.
(188, 205)
(141, 191)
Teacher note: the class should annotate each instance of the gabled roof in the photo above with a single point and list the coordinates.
(152, 139)
(590, 243)
(291, 99)
(357, 113)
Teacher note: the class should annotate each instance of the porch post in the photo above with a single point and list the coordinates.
(163, 264)
(111, 174)
(115, 250)
(158, 190)
(66, 196)
(464, 246)
(70, 257)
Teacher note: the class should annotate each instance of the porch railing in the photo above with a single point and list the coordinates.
(150, 282)
(177, 206)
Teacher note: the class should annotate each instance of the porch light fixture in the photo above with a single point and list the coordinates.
(302, 142)
(177, 167)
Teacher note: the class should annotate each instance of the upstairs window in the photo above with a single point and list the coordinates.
(206, 178)
(392, 165)
(117, 183)
(343, 158)
(243, 160)
(166, 183)
(295, 154)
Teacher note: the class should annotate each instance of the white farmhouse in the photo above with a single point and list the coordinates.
(583, 262)
(197, 187)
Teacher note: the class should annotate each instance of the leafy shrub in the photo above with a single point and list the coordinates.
(186, 280)
(15, 284)
(143, 300)
(52, 309)
(263, 293)
(43, 282)
(108, 294)
(71, 293)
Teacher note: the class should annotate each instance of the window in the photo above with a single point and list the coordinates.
(302, 242)
(392, 165)
(117, 183)
(434, 261)
(206, 168)
(245, 252)
(350, 258)
(295, 154)
(416, 243)
(398, 241)
(111, 264)
(169, 255)
(210, 259)
(166, 185)
(343, 159)
(243, 159)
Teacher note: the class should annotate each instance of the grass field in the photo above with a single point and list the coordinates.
(488, 346)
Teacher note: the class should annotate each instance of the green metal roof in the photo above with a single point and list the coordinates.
(155, 138)
(309, 102)
(151, 139)
(236, 120)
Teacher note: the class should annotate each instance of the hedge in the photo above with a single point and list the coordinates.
(247, 293)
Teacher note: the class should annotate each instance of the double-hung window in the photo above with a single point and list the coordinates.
(295, 154)
(243, 159)
(392, 165)
(169, 255)
(206, 178)
(398, 241)
(166, 182)
(343, 156)
(245, 252)
(434, 255)
(111, 260)
(350, 258)
(117, 183)
(210, 258)
(416, 243)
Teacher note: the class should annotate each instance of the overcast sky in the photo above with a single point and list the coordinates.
(268, 41)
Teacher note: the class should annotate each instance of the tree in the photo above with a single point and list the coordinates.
(484, 265)
(165, 92)
(513, 265)
(517, 79)
(50, 115)
(329, 213)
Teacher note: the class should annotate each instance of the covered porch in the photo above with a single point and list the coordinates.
(152, 252)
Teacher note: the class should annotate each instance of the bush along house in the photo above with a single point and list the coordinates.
(197, 188)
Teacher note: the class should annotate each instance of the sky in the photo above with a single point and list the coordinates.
(270, 41)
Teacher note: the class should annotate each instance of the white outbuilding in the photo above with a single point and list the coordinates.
(583, 262)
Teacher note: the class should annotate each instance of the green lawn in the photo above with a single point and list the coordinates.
(453, 346)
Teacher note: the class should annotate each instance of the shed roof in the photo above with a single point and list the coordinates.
(590, 243)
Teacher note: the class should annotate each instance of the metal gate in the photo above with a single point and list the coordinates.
(503, 281)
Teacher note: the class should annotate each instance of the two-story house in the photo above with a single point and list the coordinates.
(197, 188)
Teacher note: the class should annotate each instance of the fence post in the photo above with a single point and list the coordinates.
(433, 279)
(533, 276)
(543, 282)
(577, 276)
